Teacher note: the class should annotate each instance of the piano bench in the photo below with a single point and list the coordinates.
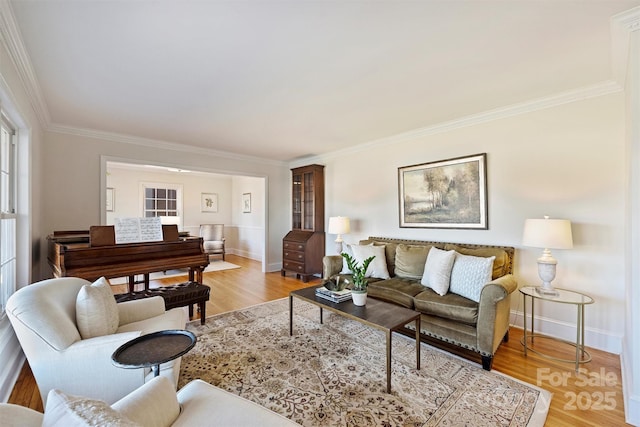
(179, 295)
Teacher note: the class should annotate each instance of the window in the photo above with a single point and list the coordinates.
(8, 215)
(162, 200)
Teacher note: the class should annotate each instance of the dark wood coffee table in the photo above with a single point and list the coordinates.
(378, 314)
(151, 350)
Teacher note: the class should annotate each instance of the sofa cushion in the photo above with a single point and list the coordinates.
(96, 310)
(378, 266)
(469, 275)
(437, 270)
(500, 264)
(63, 410)
(410, 260)
(397, 290)
(450, 306)
(389, 250)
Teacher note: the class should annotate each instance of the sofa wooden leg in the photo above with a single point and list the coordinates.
(487, 362)
(506, 337)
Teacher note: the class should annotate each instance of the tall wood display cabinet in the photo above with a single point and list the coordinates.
(303, 246)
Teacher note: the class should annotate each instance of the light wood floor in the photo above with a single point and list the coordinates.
(592, 398)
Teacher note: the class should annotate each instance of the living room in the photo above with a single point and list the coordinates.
(566, 153)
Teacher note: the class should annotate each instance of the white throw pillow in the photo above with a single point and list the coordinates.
(378, 267)
(469, 275)
(347, 249)
(65, 410)
(437, 270)
(96, 310)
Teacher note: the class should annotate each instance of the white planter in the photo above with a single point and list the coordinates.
(359, 298)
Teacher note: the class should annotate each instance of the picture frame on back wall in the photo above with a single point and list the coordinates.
(246, 202)
(110, 199)
(209, 202)
(444, 194)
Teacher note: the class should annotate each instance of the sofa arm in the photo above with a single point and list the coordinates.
(140, 309)
(493, 313)
(331, 265)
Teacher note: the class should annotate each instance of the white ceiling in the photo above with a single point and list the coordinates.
(288, 79)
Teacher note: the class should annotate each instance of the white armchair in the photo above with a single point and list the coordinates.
(43, 316)
(153, 404)
(213, 239)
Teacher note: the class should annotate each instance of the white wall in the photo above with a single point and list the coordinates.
(72, 199)
(247, 233)
(566, 162)
(127, 184)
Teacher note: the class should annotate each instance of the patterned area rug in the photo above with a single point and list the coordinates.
(335, 373)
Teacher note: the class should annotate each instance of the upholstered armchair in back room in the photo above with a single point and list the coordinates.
(213, 239)
(68, 328)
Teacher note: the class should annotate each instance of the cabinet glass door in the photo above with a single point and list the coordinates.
(297, 202)
(307, 210)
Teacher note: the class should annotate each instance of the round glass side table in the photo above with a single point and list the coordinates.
(564, 296)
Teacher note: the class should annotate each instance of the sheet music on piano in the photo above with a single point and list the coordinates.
(138, 230)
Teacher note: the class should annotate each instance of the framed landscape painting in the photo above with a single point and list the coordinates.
(444, 194)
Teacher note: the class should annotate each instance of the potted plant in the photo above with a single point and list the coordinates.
(359, 288)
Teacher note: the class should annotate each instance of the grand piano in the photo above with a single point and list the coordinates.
(94, 253)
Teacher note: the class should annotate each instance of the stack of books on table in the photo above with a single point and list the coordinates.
(334, 296)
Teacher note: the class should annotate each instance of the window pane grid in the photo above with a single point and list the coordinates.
(160, 202)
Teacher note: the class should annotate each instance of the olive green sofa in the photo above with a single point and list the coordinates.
(477, 326)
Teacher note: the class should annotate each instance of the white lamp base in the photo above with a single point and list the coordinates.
(547, 272)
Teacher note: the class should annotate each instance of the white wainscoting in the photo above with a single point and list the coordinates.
(245, 241)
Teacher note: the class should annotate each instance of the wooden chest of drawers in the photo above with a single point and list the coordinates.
(302, 253)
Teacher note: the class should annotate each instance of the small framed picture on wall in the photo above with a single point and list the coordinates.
(110, 200)
(246, 202)
(209, 202)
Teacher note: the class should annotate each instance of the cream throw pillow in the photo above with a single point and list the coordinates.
(96, 310)
(437, 270)
(65, 410)
(469, 275)
(348, 249)
(378, 267)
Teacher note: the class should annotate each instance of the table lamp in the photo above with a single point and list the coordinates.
(339, 225)
(547, 234)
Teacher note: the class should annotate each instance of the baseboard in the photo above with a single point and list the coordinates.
(594, 338)
(274, 266)
(11, 359)
(631, 400)
(245, 254)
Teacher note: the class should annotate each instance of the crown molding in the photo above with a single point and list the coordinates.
(604, 88)
(622, 25)
(154, 143)
(12, 40)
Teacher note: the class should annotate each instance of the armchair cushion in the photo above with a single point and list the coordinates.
(96, 310)
(152, 404)
(63, 410)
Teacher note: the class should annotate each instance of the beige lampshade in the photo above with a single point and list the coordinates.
(547, 233)
(339, 225)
